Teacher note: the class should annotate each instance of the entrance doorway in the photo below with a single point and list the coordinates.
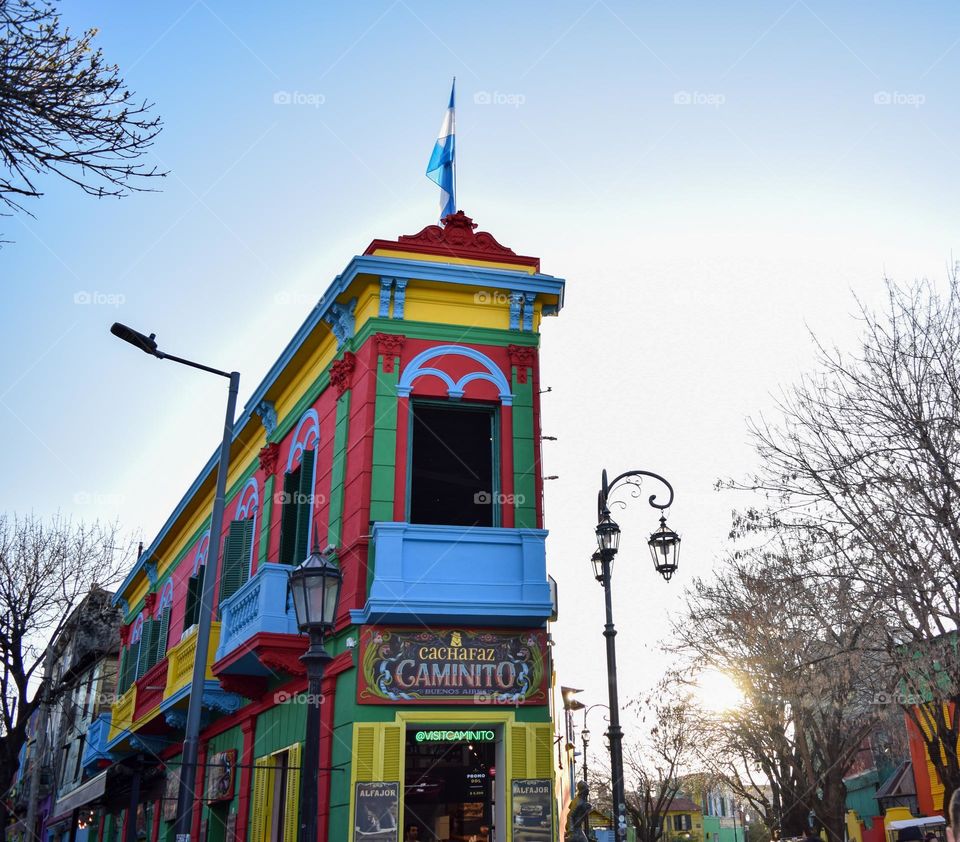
(450, 784)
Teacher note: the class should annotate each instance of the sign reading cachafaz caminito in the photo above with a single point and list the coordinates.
(456, 665)
(455, 736)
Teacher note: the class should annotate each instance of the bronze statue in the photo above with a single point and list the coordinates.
(579, 816)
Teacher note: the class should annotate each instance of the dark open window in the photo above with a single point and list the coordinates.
(452, 465)
(295, 512)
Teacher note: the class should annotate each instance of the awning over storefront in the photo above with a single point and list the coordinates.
(79, 797)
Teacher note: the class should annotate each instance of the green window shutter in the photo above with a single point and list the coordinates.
(122, 673)
(151, 642)
(304, 505)
(236, 558)
(143, 648)
(288, 517)
(246, 551)
(163, 628)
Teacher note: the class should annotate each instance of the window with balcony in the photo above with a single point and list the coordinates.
(453, 464)
(296, 510)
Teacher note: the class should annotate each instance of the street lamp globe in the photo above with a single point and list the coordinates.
(597, 561)
(665, 550)
(608, 534)
(585, 736)
(315, 585)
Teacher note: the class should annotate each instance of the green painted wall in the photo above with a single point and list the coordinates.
(338, 470)
(524, 455)
(384, 444)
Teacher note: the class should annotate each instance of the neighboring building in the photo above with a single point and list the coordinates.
(83, 677)
(723, 819)
(683, 821)
(401, 427)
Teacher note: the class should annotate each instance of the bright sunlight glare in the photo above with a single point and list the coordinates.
(717, 692)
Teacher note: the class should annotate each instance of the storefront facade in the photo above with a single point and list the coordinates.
(400, 428)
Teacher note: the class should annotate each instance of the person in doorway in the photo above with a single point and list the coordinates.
(411, 833)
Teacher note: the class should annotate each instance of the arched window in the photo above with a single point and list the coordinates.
(299, 481)
(453, 471)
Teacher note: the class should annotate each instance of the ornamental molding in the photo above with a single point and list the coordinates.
(522, 357)
(268, 458)
(341, 372)
(389, 345)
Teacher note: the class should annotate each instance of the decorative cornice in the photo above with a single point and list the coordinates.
(341, 372)
(268, 458)
(389, 345)
(456, 238)
(267, 413)
(124, 634)
(150, 602)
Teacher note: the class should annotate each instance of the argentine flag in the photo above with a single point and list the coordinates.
(442, 167)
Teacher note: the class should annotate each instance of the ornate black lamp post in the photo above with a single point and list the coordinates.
(664, 548)
(585, 736)
(315, 586)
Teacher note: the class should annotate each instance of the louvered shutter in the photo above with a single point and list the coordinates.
(391, 751)
(364, 751)
(304, 506)
(291, 812)
(518, 751)
(232, 558)
(122, 673)
(288, 517)
(163, 629)
(143, 648)
(246, 553)
(259, 808)
(543, 751)
(152, 642)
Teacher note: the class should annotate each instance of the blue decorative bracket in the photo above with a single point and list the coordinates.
(528, 299)
(385, 284)
(399, 297)
(124, 605)
(150, 568)
(516, 302)
(341, 320)
(267, 413)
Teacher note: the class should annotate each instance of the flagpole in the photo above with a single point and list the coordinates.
(453, 98)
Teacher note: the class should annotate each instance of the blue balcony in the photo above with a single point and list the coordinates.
(258, 627)
(427, 573)
(95, 754)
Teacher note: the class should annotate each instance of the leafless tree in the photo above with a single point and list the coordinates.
(46, 568)
(65, 110)
(805, 648)
(866, 451)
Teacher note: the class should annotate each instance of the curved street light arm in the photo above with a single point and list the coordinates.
(606, 487)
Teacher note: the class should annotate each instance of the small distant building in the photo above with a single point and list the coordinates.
(683, 821)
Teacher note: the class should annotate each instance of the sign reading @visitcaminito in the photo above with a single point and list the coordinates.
(460, 666)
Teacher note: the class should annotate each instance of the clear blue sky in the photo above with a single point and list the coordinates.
(708, 177)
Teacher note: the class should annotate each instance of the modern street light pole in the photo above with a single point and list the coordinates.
(191, 739)
(664, 547)
(315, 586)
